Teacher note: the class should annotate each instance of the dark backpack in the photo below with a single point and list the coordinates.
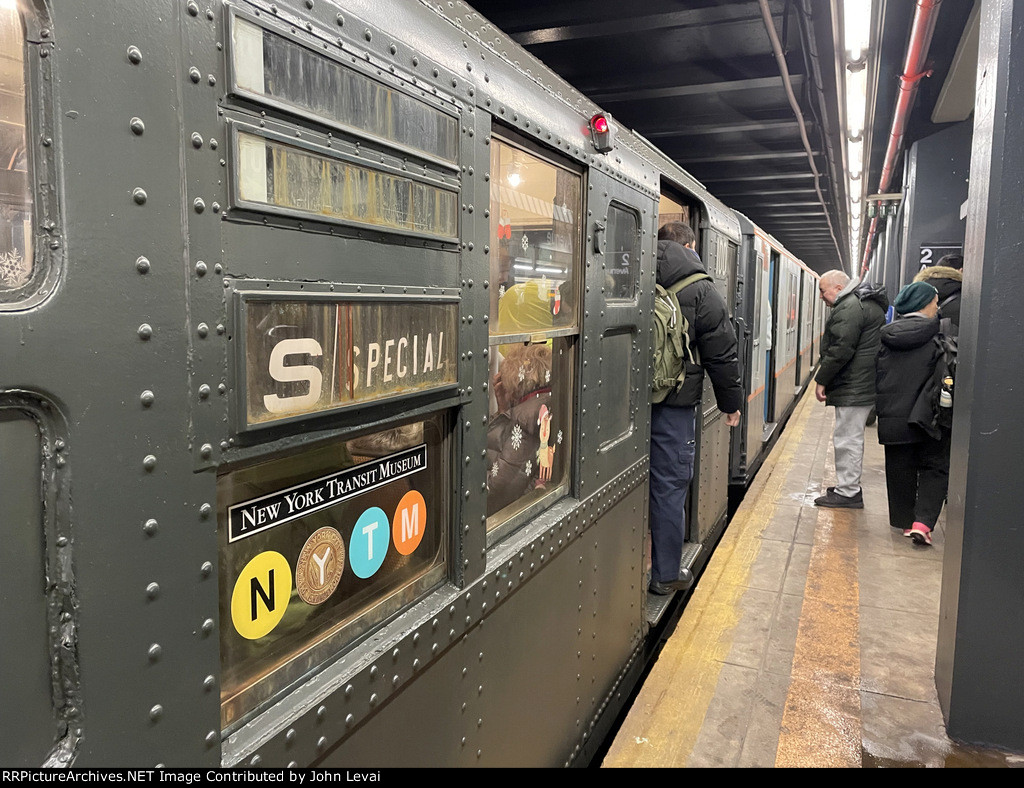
(671, 339)
(945, 372)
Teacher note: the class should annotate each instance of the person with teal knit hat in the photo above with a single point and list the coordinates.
(916, 450)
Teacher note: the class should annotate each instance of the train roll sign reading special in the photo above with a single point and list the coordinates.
(312, 354)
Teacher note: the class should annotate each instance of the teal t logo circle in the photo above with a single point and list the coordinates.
(369, 542)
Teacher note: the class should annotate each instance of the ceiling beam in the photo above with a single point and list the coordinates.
(644, 94)
(723, 128)
(628, 23)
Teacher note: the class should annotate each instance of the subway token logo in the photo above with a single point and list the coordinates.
(261, 595)
(320, 565)
(410, 522)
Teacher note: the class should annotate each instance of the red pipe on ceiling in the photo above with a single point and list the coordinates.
(921, 30)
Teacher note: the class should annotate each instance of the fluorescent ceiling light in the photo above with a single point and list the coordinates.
(857, 24)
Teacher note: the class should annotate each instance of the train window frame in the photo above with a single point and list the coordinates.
(42, 164)
(508, 519)
(344, 58)
(266, 685)
(311, 144)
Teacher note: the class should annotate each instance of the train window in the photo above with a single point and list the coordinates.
(535, 230)
(318, 546)
(535, 238)
(272, 67)
(622, 253)
(16, 252)
(299, 181)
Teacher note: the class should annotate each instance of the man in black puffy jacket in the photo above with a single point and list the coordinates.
(846, 376)
(916, 456)
(673, 426)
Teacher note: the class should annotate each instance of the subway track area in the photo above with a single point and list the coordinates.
(809, 639)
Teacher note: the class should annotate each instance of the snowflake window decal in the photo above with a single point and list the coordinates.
(494, 469)
(547, 376)
(559, 437)
(528, 468)
(517, 437)
(14, 269)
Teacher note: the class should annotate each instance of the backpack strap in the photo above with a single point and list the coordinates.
(948, 298)
(691, 279)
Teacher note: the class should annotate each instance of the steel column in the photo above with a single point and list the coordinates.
(981, 624)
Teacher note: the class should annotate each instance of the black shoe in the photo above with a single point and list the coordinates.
(833, 500)
(683, 583)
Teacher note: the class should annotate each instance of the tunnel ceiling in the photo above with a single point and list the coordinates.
(700, 80)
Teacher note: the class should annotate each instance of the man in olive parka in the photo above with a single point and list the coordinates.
(846, 376)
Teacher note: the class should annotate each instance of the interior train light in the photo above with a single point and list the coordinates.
(602, 133)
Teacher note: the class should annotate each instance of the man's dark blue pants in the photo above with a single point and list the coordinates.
(672, 449)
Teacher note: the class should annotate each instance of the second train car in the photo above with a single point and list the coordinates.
(324, 418)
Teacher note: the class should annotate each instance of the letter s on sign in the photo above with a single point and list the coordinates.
(283, 374)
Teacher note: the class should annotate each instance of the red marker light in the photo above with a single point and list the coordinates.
(602, 133)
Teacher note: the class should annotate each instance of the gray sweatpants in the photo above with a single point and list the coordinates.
(848, 441)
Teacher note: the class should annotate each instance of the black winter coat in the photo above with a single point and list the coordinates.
(906, 363)
(850, 344)
(711, 331)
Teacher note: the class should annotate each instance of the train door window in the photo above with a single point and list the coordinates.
(16, 252)
(320, 545)
(536, 226)
(622, 253)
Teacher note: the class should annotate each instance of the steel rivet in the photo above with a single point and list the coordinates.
(149, 462)
(290, 735)
(154, 652)
(134, 55)
(193, 9)
(151, 527)
(205, 509)
(256, 760)
(206, 569)
(201, 268)
(156, 712)
(321, 742)
(153, 590)
(212, 738)
(140, 196)
(137, 126)
(199, 204)
(194, 75)
(216, 206)
(208, 626)
(204, 391)
(212, 80)
(206, 451)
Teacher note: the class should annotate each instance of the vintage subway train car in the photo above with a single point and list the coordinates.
(324, 422)
(779, 324)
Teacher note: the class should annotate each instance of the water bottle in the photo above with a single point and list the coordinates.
(946, 394)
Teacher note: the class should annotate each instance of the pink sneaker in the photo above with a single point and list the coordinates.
(908, 532)
(921, 534)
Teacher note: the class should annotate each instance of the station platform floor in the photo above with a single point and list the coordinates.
(809, 639)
